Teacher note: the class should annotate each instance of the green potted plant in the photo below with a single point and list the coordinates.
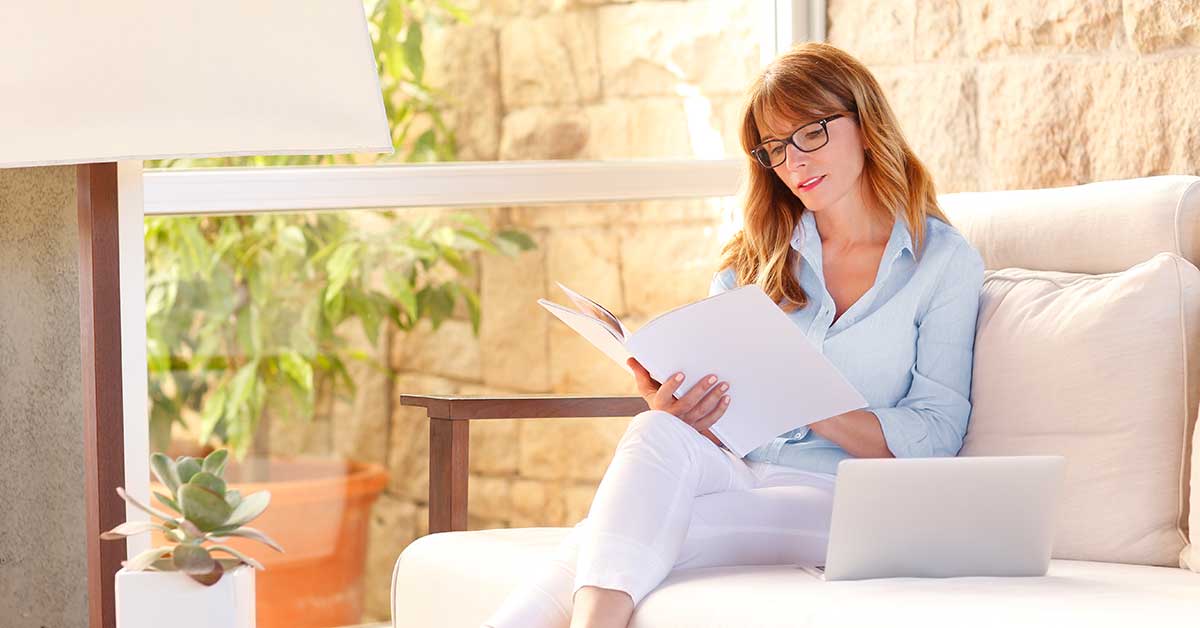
(194, 579)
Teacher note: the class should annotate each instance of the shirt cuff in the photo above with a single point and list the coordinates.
(904, 432)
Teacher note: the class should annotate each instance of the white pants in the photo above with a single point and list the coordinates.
(671, 499)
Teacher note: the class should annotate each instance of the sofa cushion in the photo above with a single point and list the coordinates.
(1100, 227)
(1190, 556)
(1102, 370)
(456, 579)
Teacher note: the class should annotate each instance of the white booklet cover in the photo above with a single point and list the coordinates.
(777, 380)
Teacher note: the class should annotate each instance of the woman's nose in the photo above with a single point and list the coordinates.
(795, 158)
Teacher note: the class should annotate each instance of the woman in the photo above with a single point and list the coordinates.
(843, 231)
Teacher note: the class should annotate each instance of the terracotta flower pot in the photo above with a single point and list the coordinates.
(319, 513)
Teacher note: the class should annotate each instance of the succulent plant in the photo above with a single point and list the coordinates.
(206, 512)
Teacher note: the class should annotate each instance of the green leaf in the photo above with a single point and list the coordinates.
(146, 558)
(402, 291)
(192, 559)
(210, 578)
(214, 411)
(251, 506)
(210, 482)
(412, 51)
(240, 556)
(242, 386)
(297, 369)
(129, 528)
(203, 507)
(233, 497)
(186, 467)
(140, 506)
(251, 533)
(522, 240)
(168, 502)
(214, 462)
(164, 469)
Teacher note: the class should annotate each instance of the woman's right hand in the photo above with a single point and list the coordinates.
(699, 407)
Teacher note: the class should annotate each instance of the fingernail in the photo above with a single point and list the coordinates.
(724, 387)
(679, 377)
(725, 400)
(710, 380)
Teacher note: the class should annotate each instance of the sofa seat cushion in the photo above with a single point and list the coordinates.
(456, 579)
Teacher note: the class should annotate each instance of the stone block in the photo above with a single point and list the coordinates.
(936, 107)
(1030, 128)
(357, 423)
(408, 441)
(493, 446)
(995, 28)
(537, 503)
(653, 127)
(586, 260)
(543, 133)
(672, 48)
(513, 333)
(578, 367)
(452, 350)
(938, 33)
(664, 267)
(578, 449)
(1154, 25)
(472, 89)
(421, 521)
(1141, 119)
(876, 32)
(549, 60)
(391, 529)
(489, 497)
(578, 499)
(483, 523)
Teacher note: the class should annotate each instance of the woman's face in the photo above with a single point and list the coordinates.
(828, 176)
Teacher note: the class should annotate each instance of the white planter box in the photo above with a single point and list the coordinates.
(157, 599)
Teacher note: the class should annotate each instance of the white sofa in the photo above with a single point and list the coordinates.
(1092, 351)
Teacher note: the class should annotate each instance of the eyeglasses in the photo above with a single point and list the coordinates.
(806, 139)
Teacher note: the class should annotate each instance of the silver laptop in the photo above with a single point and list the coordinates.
(943, 517)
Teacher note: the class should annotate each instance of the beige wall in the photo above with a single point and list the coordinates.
(43, 557)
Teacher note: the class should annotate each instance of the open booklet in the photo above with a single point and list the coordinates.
(777, 380)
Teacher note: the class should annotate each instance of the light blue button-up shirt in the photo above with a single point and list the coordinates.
(907, 344)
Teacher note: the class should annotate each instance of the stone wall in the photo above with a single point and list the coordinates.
(1010, 94)
(992, 95)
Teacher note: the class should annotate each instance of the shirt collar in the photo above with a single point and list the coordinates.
(807, 240)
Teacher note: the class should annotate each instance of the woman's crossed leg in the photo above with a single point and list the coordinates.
(671, 499)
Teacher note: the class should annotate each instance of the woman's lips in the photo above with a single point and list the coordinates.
(814, 183)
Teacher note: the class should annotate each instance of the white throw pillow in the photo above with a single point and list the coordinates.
(1100, 369)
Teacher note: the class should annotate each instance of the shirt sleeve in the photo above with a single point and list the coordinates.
(931, 420)
(722, 281)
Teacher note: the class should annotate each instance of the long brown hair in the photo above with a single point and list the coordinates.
(810, 81)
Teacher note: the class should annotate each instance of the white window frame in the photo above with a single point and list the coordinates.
(222, 191)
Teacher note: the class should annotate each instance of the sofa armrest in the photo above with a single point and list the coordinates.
(449, 438)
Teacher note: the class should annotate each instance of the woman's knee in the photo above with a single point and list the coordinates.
(661, 429)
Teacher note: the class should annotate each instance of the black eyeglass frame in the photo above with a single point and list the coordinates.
(791, 139)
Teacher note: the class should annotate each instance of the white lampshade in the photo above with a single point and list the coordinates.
(89, 81)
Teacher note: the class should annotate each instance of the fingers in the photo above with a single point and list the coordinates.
(708, 402)
(645, 384)
(720, 405)
(689, 402)
(665, 397)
